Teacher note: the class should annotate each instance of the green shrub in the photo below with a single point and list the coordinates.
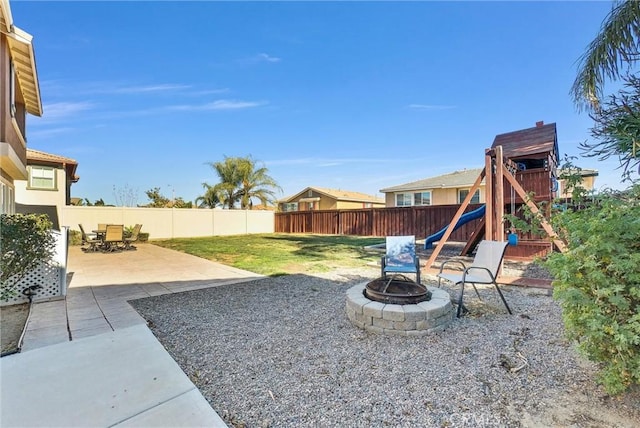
(25, 242)
(143, 237)
(75, 237)
(597, 283)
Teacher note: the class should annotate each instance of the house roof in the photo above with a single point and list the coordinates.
(23, 57)
(539, 139)
(456, 179)
(34, 156)
(338, 194)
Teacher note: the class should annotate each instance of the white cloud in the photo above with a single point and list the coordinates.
(51, 132)
(150, 88)
(261, 57)
(210, 92)
(63, 110)
(267, 58)
(430, 107)
(326, 162)
(219, 105)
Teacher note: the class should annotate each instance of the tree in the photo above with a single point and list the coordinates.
(241, 181)
(617, 127)
(210, 198)
(156, 198)
(160, 201)
(26, 241)
(616, 46)
(125, 196)
(255, 183)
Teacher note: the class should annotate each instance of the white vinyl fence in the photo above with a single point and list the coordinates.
(49, 280)
(166, 223)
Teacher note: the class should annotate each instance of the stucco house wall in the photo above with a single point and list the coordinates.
(444, 189)
(312, 198)
(19, 95)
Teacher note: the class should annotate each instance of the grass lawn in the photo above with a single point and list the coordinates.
(280, 254)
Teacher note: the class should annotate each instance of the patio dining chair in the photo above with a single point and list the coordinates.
(128, 241)
(90, 240)
(400, 257)
(113, 236)
(483, 270)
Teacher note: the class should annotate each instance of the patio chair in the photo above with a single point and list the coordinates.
(113, 236)
(400, 257)
(128, 241)
(87, 239)
(483, 270)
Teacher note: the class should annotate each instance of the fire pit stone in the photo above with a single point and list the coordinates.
(417, 319)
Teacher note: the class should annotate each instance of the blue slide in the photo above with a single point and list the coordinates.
(466, 218)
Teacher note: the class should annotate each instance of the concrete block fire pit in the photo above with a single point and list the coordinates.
(417, 319)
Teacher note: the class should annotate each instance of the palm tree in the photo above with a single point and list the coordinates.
(240, 181)
(227, 189)
(255, 183)
(210, 198)
(617, 45)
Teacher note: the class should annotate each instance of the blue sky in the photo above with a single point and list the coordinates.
(352, 95)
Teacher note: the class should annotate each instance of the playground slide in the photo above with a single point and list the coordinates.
(466, 218)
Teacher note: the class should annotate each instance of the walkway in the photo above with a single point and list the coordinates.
(90, 360)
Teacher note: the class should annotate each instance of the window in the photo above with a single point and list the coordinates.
(367, 205)
(293, 206)
(7, 203)
(42, 177)
(311, 206)
(475, 199)
(422, 198)
(403, 199)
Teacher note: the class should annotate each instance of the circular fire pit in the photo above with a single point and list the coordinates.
(396, 289)
(415, 319)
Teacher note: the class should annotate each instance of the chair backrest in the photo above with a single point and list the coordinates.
(84, 235)
(114, 232)
(401, 251)
(136, 230)
(102, 226)
(489, 255)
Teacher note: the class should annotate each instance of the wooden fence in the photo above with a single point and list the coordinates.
(418, 221)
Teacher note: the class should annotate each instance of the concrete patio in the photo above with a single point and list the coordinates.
(92, 356)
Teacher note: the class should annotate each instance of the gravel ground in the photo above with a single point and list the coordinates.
(280, 352)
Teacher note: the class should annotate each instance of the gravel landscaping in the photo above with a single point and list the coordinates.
(281, 352)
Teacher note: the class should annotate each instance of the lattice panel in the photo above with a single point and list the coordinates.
(51, 276)
(48, 276)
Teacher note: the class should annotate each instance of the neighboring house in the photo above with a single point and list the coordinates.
(319, 198)
(588, 181)
(451, 188)
(19, 95)
(48, 184)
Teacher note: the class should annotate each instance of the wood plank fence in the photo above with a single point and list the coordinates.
(418, 221)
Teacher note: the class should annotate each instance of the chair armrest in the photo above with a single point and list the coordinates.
(442, 266)
(472, 268)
